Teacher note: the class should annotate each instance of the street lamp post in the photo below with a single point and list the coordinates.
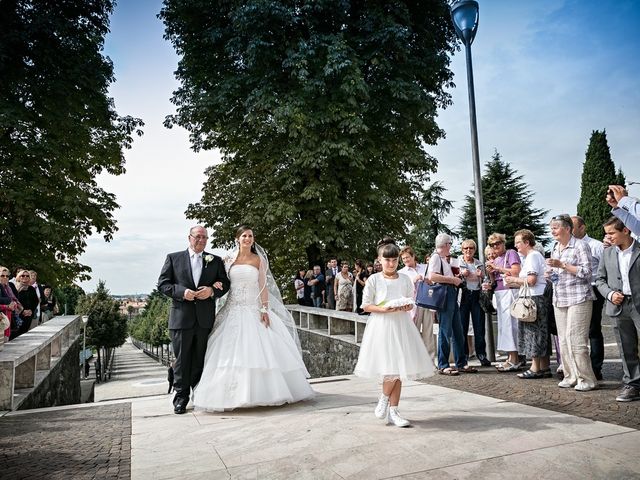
(85, 320)
(464, 14)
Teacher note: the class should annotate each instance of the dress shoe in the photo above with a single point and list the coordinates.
(382, 409)
(396, 419)
(180, 407)
(598, 376)
(484, 362)
(628, 394)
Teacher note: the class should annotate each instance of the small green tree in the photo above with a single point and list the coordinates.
(508, 204)
(598, 172)
(434, 208)
(107, 327)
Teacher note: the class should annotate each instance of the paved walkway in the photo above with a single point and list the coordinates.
(134, 374)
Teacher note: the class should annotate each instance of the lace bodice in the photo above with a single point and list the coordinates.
(244, 286)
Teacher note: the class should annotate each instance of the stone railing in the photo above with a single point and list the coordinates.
(345, 326)
(330, 339)
(27, 361)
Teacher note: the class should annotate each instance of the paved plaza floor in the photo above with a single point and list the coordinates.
(485, 425)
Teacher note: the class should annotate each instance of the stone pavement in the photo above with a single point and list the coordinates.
(597, 404)
(484, 425)
(455, 435)
(64, 443)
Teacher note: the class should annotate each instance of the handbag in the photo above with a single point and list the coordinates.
(524, 308)
(432, 297)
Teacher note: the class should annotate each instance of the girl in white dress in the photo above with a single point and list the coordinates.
(391, 349)
(253, 355)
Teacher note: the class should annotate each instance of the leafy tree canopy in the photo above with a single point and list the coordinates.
(321, 110)
(58, 131)
(598, 172)
(508, 205)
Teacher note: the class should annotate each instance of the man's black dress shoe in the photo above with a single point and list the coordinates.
(180, 406)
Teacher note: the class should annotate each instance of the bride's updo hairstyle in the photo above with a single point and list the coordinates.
(387, 248)
(243, 228)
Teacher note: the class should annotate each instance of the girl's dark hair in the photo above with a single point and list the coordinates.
(360, 263)
(387, 248)
(243, 228)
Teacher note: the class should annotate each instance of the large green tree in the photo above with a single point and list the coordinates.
(508, 204)
(321, 109)
(58, 131)
(598, 172)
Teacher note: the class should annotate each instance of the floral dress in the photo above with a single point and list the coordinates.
(344, 300)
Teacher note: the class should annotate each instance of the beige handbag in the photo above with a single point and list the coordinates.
(524, 308)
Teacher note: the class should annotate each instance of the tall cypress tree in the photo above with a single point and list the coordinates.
(508, 205)
(598, 172)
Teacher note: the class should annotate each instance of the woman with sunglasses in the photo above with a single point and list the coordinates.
(471, 271)
(570, 272)
(506, 262)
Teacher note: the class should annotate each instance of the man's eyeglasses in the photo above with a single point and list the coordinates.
(4, 276)
(198, 237)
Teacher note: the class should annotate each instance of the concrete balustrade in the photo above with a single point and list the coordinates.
(345, 326)
(26, 361)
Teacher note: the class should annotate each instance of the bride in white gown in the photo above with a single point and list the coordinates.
(253, 355)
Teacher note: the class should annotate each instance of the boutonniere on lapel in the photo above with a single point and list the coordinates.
(207, 259)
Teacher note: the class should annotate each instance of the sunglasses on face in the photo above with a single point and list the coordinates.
(4, 276)
(495, 244)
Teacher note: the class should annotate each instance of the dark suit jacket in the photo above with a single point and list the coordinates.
(176, 277)
(610, 280)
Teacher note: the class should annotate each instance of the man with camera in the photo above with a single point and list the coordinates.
(624, 207)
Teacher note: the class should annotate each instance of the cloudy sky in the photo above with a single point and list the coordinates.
(547, 73)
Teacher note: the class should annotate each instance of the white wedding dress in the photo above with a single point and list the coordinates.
(248, 364)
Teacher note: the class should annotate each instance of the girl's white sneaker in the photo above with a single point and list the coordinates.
(396, 419)
(382, 408)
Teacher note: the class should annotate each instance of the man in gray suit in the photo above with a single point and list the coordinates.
(193, 279)
(618, 281)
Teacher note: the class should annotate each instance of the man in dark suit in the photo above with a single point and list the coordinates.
(329, 278)
(193, 279)
(618, 281)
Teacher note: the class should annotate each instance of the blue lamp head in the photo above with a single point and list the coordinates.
(464, 14)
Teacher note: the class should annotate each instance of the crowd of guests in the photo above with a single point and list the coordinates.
(24, 303)
(581, 280)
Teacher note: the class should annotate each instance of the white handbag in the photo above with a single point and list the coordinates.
(524, 308)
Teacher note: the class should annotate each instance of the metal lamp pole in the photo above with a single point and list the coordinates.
(464, 14)
(85, 320)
